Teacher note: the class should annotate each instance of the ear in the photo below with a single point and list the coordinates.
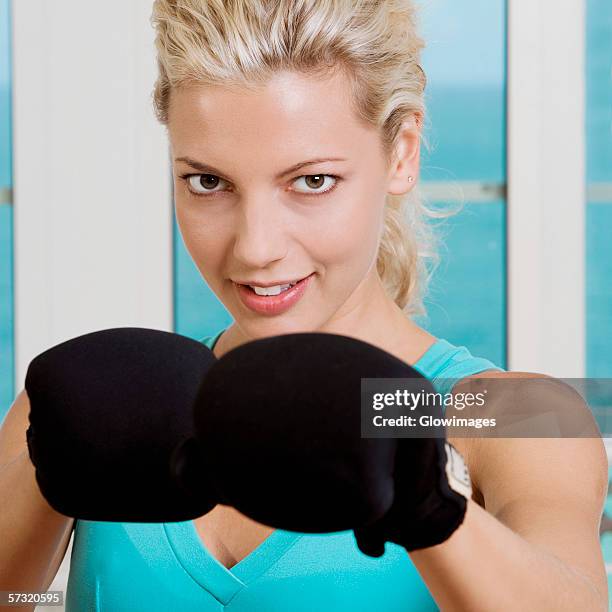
(407, 156)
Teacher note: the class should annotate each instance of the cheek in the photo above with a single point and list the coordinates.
(203, 239)
(349, 234)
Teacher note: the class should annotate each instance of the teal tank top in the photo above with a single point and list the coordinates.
(155, 567)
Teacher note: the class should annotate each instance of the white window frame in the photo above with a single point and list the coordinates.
(546, 186)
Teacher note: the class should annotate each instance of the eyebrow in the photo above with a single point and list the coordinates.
(205, 168)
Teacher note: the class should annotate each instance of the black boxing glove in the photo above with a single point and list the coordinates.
(106, 410)
(278, 431)
(432, 486)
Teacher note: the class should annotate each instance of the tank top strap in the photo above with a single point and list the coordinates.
(210, 341)
(444, 364)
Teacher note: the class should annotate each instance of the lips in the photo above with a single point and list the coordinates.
(272, 304)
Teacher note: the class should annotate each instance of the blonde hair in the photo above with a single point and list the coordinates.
(375, 43)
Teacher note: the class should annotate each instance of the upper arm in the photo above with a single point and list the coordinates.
(13, 429)
(551, 491)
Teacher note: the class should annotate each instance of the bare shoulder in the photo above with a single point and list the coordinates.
(502, 466)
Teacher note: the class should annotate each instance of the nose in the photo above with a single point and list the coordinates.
(260, 236)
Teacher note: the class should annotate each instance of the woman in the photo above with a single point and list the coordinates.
(295, 131)
(249, 92)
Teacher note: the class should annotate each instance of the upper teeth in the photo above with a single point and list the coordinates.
(272, 290)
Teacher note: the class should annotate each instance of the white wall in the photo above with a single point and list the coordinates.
(93, 215)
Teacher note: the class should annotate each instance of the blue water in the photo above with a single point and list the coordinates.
(466, 129)
(6, 219)
(599, 290)
(6, 310)
(599, 91)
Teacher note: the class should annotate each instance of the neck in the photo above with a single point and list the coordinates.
(372, 316)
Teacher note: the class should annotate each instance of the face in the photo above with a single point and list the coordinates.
(278, 185)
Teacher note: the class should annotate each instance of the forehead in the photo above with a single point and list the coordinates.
(292, 114)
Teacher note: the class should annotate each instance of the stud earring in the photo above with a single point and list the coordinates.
(410, 179)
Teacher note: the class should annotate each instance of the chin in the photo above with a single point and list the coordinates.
(263, 327)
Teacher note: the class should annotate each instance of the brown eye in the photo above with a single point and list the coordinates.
(315, 182)
(202, 183)
(208, 181)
